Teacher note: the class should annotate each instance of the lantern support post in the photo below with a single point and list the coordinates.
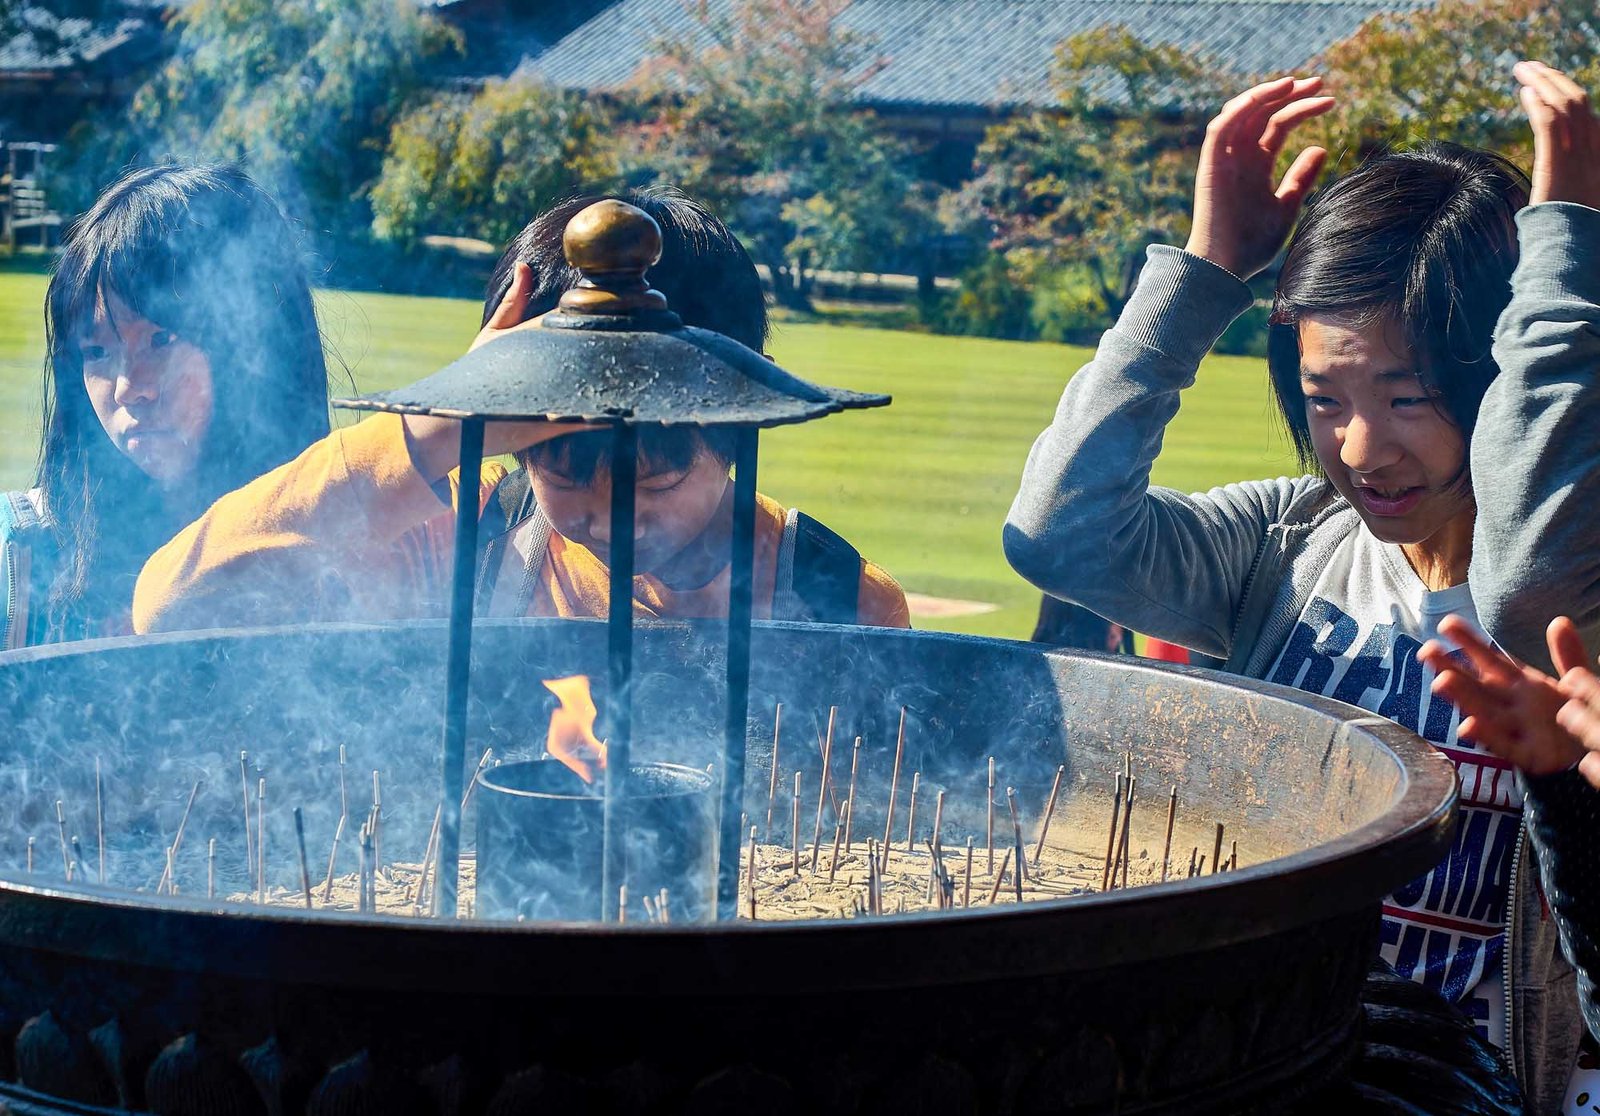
(619, 651)
(740, 604)
(463, 579)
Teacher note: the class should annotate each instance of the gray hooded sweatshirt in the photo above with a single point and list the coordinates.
(1228, 572)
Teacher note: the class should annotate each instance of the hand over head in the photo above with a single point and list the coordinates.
(1566, 136)
(1241, 216)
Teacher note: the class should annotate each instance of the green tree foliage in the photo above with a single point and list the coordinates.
(1444, 72)
(1090, 183)
(303, 91)
(752, 110)
(483, 165)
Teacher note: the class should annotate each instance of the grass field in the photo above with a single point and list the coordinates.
(922, 487)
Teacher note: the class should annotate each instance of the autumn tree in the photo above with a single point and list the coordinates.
(303, 91)
(482, 165)
(754, 110)
(1444, 72)
(1107, 171)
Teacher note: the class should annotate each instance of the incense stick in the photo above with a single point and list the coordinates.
(1233, 860)
(166, 873)
(994, 892)
(772, 785)
(1172, 816)
(874, 883)
(966, 887)
(300, 839)
(100, 819)
(989, 828)
(333, 854)
(938, 820)
(1049, 812)
(1127, 825)
(822, 792)
(750, 876)
(249, 829)
(894, 785)
(261, 840)
(1111, 838)
(839, 828)
(177, 841)
(66, 857)
(935, 876)
(850, 796)
(1216, 850)
(795, 840)
(30, 856)
(77, 853)
(361, 869)
(825, 748)
(377, 823)
(1194, 852)
(911, 819)
(211, 868)
(622, 903)
(1021, 869)
(428, 854)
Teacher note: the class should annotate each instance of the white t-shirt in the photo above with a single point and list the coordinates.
(1357, 641)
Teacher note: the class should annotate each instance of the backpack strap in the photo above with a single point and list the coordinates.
(517, 538)
(818, 575)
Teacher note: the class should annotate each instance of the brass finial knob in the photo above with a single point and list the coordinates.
(612, 244)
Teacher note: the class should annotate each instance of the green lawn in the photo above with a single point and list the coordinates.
(921, 487)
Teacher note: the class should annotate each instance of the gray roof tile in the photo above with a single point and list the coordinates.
(985, 53)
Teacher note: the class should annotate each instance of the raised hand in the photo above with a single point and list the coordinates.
(1241, 215)
(512, 309)
(1566, 136)
(1580, 716)
(435, 443)
(1506, 706)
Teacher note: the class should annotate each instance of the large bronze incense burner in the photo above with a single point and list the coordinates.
(1210, 994)
(170, 941)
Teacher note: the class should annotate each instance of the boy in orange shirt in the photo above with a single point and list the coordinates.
(357, 527)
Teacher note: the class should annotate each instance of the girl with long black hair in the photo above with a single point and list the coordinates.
(184, 361)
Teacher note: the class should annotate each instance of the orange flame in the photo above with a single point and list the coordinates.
(572, 739)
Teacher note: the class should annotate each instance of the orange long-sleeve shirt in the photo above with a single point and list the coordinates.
(349, 530)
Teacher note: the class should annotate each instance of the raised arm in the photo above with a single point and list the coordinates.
(1536, 446)
(1086, 525)
(352, 528)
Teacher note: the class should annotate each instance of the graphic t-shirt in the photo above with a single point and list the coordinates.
(1357, 641)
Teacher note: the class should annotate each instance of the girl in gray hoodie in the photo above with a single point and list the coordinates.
(1380, 354)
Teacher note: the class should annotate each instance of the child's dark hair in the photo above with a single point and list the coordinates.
(1423, 238)
(578, 457)
(205, 252)
(708, 278)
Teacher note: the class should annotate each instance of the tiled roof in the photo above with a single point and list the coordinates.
(64, 43)
(985, 53)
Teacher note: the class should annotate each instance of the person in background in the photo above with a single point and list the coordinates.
(364, 516)
(1379, 355)
(183, 361)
